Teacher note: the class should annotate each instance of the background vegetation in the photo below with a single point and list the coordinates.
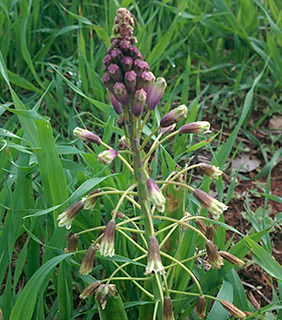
(222, 58)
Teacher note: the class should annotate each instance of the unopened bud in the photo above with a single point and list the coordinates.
(121, 121)
(107, 60)
(116, 55)
(200, 308)
(116, 104)
(154, 263)
(108, 156)
(213, 255)
(121, 94)
(126, 64)
(130, 81)
(88, 261)
(234, 311)
(174, 116)
(68, 215)
(232, 259)
(211, 171)
(119, 214)
(140, 66)
(108, 241)
(155, 93)
(145, 80)
(196, 127)
(115, 72)
(108, 81)
(138, 102)
(167, 309)
(134, 53)
(86, 135)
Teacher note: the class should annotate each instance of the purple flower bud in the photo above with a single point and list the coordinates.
(116, 104)
(108, 81)
(134, 53)
(108, 240)
(107, 156)
(130, 81)
(155, 195)
(86, 135)
(126, 64)
(88, 261)
(68, 215)
(107, 60)
(174, 115)
(115, 72)
(138, 102)
(124, 45)
(214, 257)
(116, 55)
(155, 93)
(140, 66)
(145, 80)
(154, 263)
(196, 127)
(121, 93)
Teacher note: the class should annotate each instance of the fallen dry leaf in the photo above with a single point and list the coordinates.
(275, 123)
(245, 164)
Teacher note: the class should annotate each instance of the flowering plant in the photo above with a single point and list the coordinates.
(159, 238)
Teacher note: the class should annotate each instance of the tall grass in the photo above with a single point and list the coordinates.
(218, 56)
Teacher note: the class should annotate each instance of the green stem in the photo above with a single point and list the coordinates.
(121, 199)
(145, 120)
(148, 138)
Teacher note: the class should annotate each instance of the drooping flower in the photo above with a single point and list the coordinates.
(86, 135)
(198, 127)
(156, 195)
(200, 308)
(154, 263)
(66, 218)
(89, 290)
(232, 259)
(211, 171)
(88, 261)
(90, 199)
(72, 244)
(167, 309)
(215, 259)
(174, 116)
(214, 206)
(233, 310)
(108, 241)
(108, 156)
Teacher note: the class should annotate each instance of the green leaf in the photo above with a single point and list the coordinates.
(264, 259)
(26, 302)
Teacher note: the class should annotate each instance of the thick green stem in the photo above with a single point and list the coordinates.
(139, 174)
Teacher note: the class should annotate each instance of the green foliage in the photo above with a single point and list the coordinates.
(218, 57)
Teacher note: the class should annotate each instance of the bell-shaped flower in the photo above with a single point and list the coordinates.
(108, 241)
(156, 195)
(215, 259)
(66, 218)
(88, 261)
(154, 263)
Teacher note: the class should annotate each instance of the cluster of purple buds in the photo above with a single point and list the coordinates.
(127, 76)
